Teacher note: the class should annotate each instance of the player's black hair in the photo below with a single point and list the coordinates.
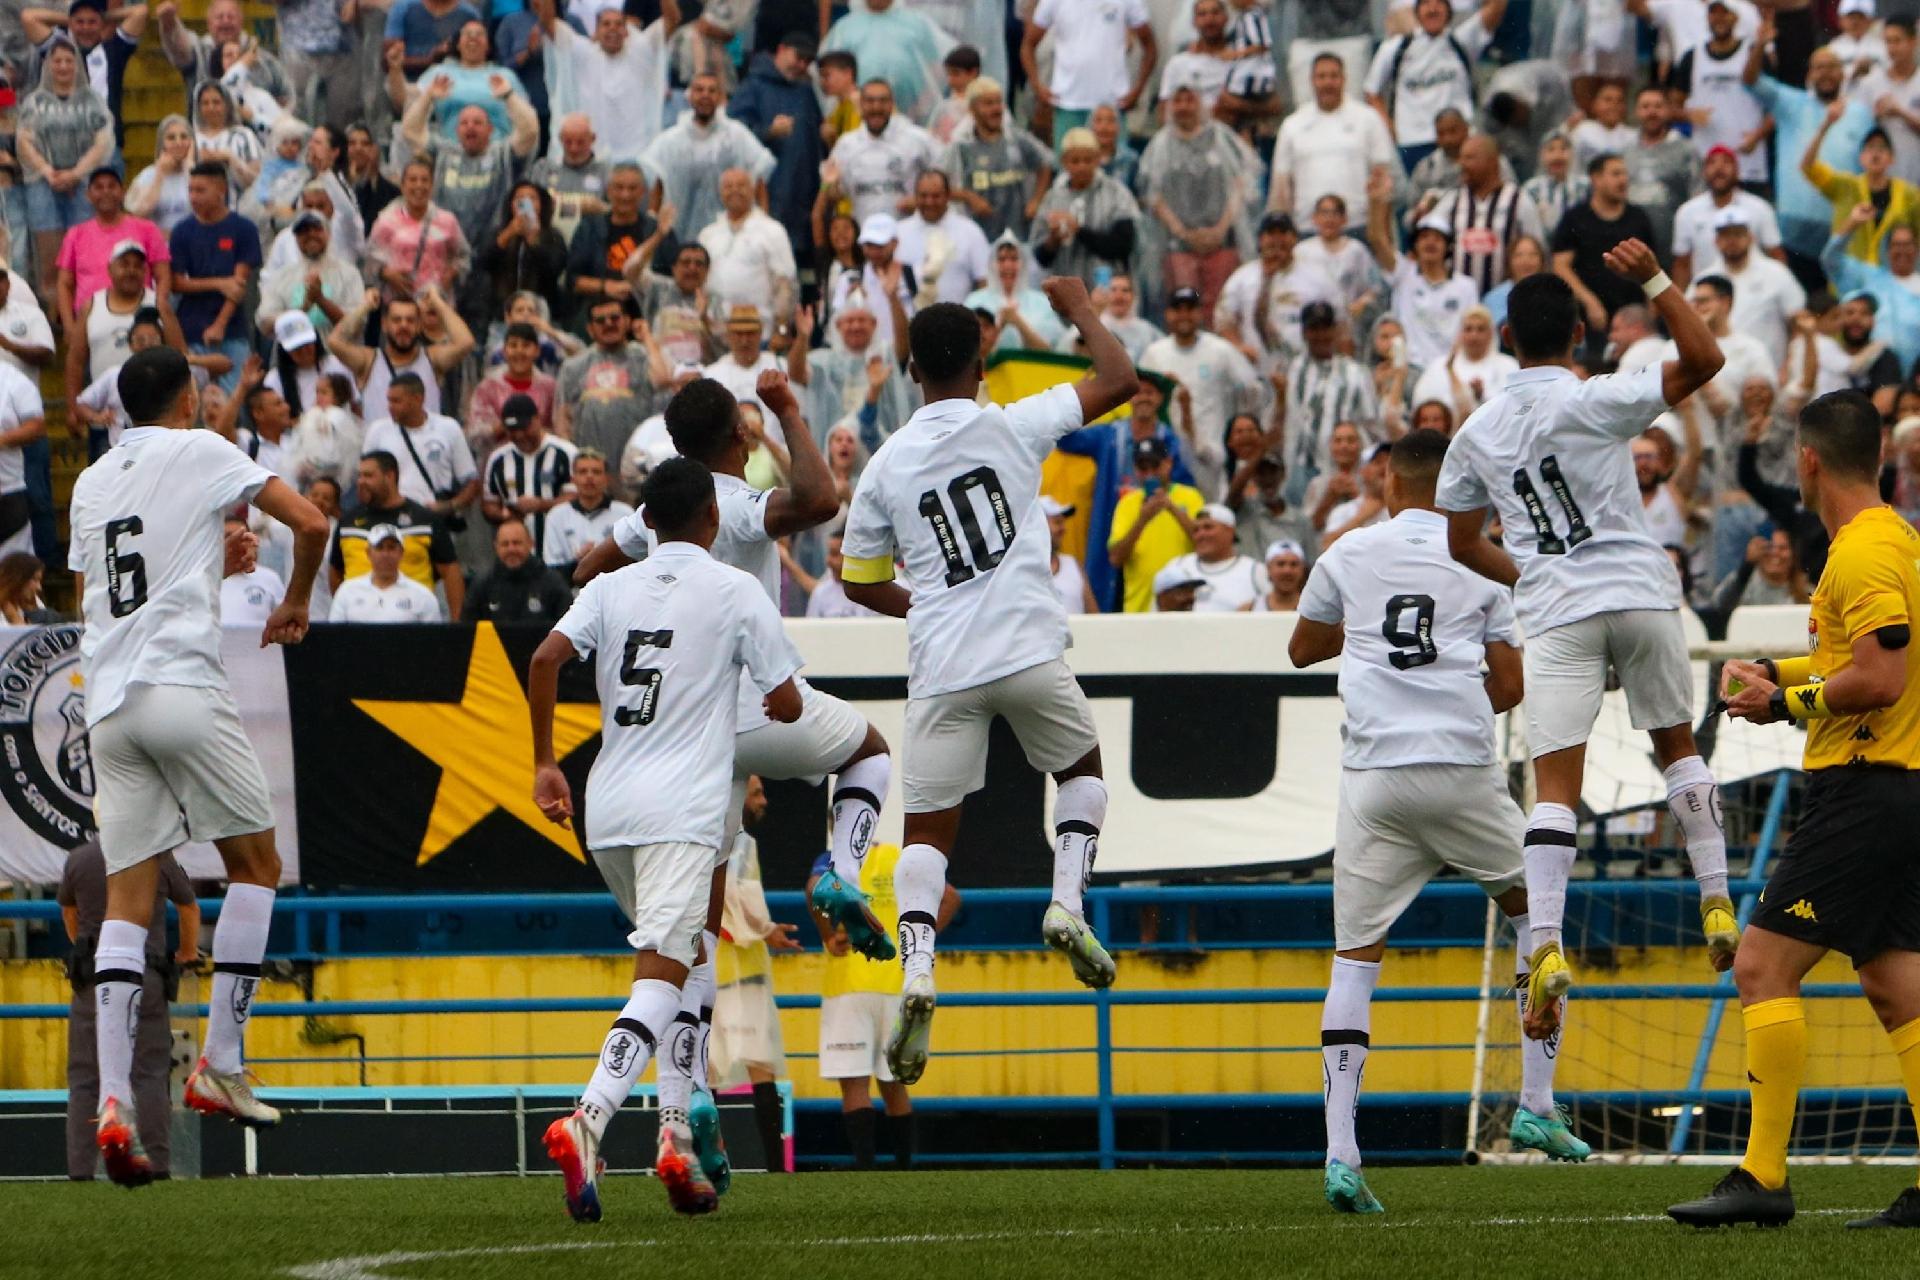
(209, 169)
(1599, 162)
(945, 341)
(964, 57)
(1417, 456)
(675, 494)
(1542, 313)
(383, 460)
(151, 381)
(703, 416)
(1843, 430)
(1718, 283)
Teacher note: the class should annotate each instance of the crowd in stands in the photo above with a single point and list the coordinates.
(441, 263)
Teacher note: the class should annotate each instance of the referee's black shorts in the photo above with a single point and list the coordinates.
(1849, 879)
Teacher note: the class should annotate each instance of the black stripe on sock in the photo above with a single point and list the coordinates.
(861, 794)
(1547, 835)
(706, 1013)
(640, 1029)
(917, 917)
(127, 976)
(237, 969)
(1075, 827)
(1360, 1038)
(688, 1018)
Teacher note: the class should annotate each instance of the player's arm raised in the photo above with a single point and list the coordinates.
(1699, 354)
(810, 499)
(288, 622)
(550, 789)
(1114, 381)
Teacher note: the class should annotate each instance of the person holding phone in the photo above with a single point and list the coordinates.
(1152, 524)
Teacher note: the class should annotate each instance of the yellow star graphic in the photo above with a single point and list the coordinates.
(484, 747)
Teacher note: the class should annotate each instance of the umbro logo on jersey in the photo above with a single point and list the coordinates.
(127, 465)
(1804, 910)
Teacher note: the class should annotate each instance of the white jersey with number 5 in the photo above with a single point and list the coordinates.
(148, 540)
(1418, 624)
(957, 492)
(1548, 453)
(743, 543)
(670, 639)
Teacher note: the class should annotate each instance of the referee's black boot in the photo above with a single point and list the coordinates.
(1738, 1197)
(1903, 1212)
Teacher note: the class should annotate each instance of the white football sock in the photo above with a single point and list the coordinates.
(1549, 855)
(919, 881)
(859, 792)
(1079, 811)
(1537, 1057)
(629, 1046)
(1693, 799)
(1345, 1023)
(119, 967)
(682, 1070)
(239, 944)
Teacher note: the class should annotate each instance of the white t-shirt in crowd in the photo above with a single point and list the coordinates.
(829, 600)
(1433, 75)
(359, 600)
(1693, 227)
(982, 583)
(878, 170)
(1286, 294)
(1766, 296)
(1490, 372)
(1332, 153)
(1428, 312)
(1417, 625)
(249, 599)
(742, 379)
(19, 404)
(1226, 586)
(669, 638)
(965, 261)
(159, 495)
(748, 259)
(1070, 583)
(1549, 454)
(442, 447)
(572, 530)
(1090, 48)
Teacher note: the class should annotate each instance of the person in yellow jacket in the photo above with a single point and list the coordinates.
(858, 1002)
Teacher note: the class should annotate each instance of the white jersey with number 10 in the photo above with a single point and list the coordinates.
(1548, 453)
(957, 491)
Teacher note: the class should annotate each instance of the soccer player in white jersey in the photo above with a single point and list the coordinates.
(830, 737)
(956, 492)
(670, 639)
(1421, 786)
(1549, 452)
(172, 761)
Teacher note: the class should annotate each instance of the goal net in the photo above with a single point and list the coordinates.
(1650, 1062)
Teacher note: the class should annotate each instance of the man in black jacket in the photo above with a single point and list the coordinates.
(519, 588)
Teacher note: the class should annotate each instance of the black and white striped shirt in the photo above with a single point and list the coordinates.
(547, 472)
(1484, 227)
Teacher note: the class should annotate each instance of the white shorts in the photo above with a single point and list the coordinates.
(1398, 827)
(853, 1035)
(825, 736)
(746, 1029)
(1566, 670)
(946, 755)
(663, 889)
(173, 764)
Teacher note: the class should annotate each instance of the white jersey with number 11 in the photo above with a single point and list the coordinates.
(1548, 453)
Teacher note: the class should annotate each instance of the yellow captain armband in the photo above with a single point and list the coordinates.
(1806, 702)
(868, 571)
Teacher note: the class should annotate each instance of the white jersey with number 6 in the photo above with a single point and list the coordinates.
(147, 523)
(1418, 624)
(957, 492)
(1548, 453)
(669, 637)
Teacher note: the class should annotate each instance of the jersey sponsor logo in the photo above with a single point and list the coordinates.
(48, 765)
(1804, 910)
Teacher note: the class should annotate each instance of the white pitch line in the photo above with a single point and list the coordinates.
(373, 1266)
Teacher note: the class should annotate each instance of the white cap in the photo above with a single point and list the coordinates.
(1862, 7)
(879, 229)
(127, 246)
(383, 532)
(293, 330)
(1906, 429)
(1055, 507)
(1434, 222)
(1731, 218)
(1284, 547)
(1221, 513)
(1174, 576)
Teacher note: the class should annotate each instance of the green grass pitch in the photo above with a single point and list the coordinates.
(1460, 1223)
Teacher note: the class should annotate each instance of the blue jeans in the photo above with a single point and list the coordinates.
(38, 458)
(49, 210)
(1733, 527)
(236, 349)
(1413, 155)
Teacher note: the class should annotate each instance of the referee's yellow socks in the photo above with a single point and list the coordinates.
(1776, 1060)
(1906, 1047)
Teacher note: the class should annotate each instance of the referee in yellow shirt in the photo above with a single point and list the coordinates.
(1849, 879)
